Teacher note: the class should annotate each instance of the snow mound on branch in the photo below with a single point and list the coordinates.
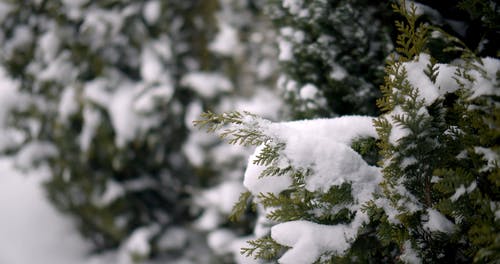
(308, 240)
(438, 222)
(322, 145)
(484, 81)
(269, 184)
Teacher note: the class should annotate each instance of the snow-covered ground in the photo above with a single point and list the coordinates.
(31, 230)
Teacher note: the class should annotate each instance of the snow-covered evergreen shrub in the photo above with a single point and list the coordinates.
(107, 89)
(333, 54)
(434, 148)
(101, 85)
(306, 179)
(432, 195)
(245, 47)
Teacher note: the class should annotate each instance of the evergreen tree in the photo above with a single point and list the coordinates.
(332, 53)
(433, 196)
(110, 89)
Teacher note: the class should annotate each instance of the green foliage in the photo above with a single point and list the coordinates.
(263, 248)
(110, 188)
(367, 148)
(240, 207)
(339, 48)
(244, 135)
(436, 155)
(411, 37)
(428, 151)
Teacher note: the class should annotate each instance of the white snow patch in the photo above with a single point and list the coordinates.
(9, 99)
(151, 97)
(389, 210)
(308, 92)
(209, 220)
(308, 240)
(462, 190)
(91, 119)
(226, 41)
(96, 91)
(438, 222)
(68, 104)
(490, 156)
(220, 241)
(408, 161)
(458, 192)
(323, 146)
(268, 184)
(174, 238)
(207, 84)
(137, 245)
(49, 46)
(295, 7)
(5, 9)
(113, 191)
(409, 255)
(31, 224)
(122, 118)
(338, 73)
(417, 78)
(341, 129)
(487, 84)
(151, 11)
(264, 103)
(59, 69)
(223, 196)
(33, 152)
(152, 68)
(397, 131)
(285, 44)
(126, 122)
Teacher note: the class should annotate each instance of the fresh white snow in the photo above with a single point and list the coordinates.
(32, 230)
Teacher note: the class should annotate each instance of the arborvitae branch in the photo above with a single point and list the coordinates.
(262, 248)
(275, 171)
(236, 126)
(412, 38)
(432, 70)
(268, 154)
(240, 207)
(213, 121)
